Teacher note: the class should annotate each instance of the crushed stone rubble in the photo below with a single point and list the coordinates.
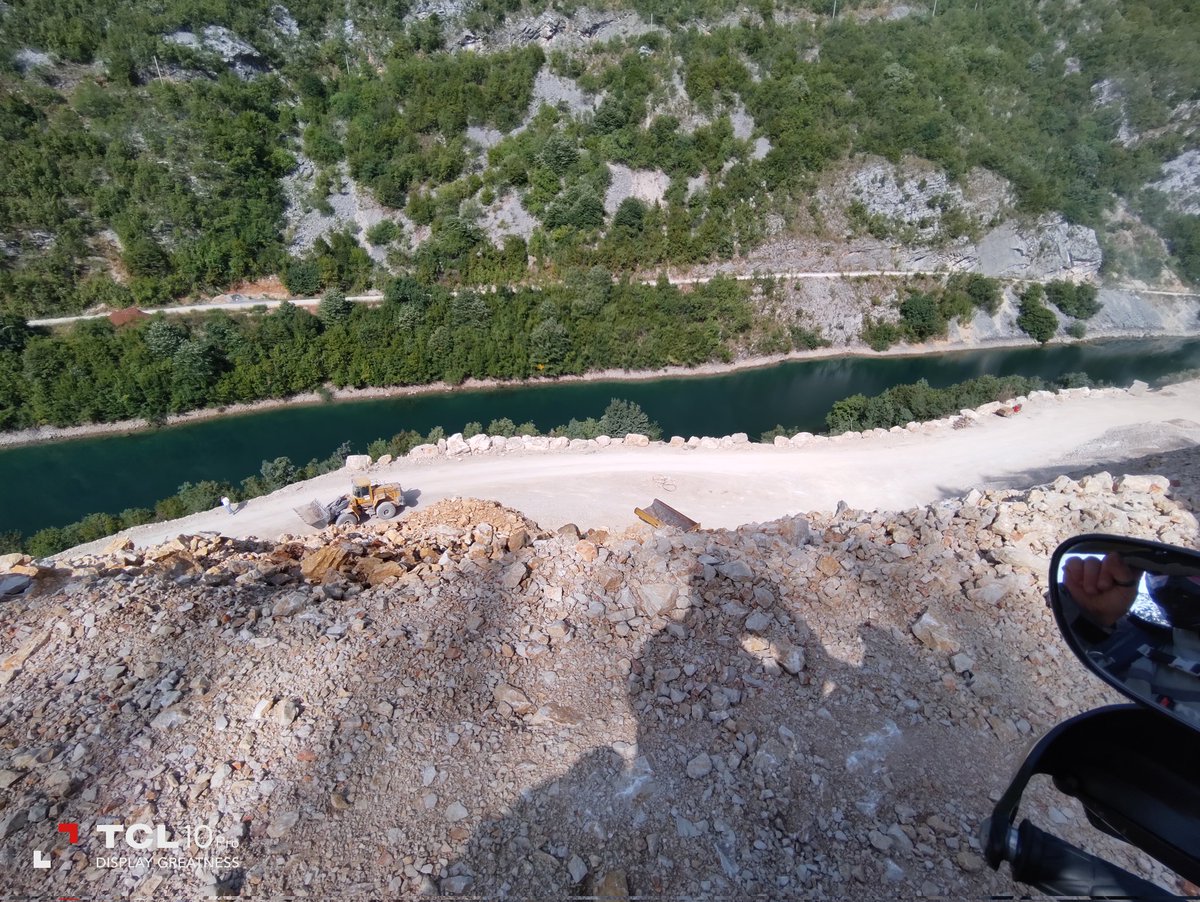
(461, 701)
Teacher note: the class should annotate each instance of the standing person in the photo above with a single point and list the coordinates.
(227, 504)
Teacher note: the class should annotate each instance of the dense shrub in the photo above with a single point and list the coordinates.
(919, 401)
(921, 317)
(880, 334)
(1078, 301)
(1035, 318)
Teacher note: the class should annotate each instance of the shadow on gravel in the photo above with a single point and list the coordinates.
(745, 778)
(1181, 466)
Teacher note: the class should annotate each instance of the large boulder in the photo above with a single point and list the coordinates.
(934, 634)
(314, 566)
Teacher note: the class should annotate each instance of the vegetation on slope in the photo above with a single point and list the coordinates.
(138, 168)
(95, 373)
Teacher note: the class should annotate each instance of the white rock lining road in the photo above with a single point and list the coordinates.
(725, 487)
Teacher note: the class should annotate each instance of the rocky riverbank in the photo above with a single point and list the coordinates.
(820, 706)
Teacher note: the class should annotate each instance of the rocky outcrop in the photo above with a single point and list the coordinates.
(924, 222)
(1180, 182)
(554, 30)
(513, 711)
(349, 205)
(242, 59)
(1048, 248)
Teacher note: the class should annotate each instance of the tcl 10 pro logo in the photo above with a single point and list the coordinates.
(154, 842)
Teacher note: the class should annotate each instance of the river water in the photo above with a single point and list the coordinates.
(54, 484)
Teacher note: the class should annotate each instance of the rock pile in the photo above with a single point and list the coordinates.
(463, 702)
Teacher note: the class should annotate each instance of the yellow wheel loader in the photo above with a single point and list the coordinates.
(365, 499)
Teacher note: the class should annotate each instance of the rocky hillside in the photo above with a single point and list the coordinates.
(336, 145)
(823, 705)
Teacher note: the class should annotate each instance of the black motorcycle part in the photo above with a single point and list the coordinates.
(1058, 868)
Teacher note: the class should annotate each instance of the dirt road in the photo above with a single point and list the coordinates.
(755, 483)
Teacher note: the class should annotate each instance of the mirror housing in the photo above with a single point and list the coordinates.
(1130, 610)
(1134, 772)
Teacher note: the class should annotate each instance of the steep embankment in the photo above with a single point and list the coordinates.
(821, 705)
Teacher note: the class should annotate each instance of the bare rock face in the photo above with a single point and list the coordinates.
(1180, 182)
(241, 57)
(9, 561)
(14, 583)
(1048, 248)
(512, 711)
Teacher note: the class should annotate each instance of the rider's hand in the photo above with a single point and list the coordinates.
(1103, 588)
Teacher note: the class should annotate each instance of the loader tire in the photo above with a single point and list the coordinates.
(385, 510)
(346, 519)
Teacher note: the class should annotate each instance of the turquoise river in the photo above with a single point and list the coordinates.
(53, 484)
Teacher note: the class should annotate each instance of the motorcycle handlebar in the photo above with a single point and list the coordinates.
(1054, 866)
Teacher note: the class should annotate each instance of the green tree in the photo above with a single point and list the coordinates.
(921, 317)
(879, 334)
(846, 415)
(334, 309)
(14, 332)
(1035, 319)
(302, 278)
(163, 337)
(144, 257)
(383, 232)
(191, 375)
(502, 426)
(204, 495)
(559, 154)
(277, 473)
(1078, 301)
(984, 292)
(549, 345)
(624, 417)
(1183, 240)
(630, 217)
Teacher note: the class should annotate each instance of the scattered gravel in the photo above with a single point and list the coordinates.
(463, 702)
(647, 185)
(507, 217)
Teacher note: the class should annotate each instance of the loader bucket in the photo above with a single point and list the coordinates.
(660, 514)
(314, 514)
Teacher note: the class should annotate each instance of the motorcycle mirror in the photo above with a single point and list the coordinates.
(1130, 610)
